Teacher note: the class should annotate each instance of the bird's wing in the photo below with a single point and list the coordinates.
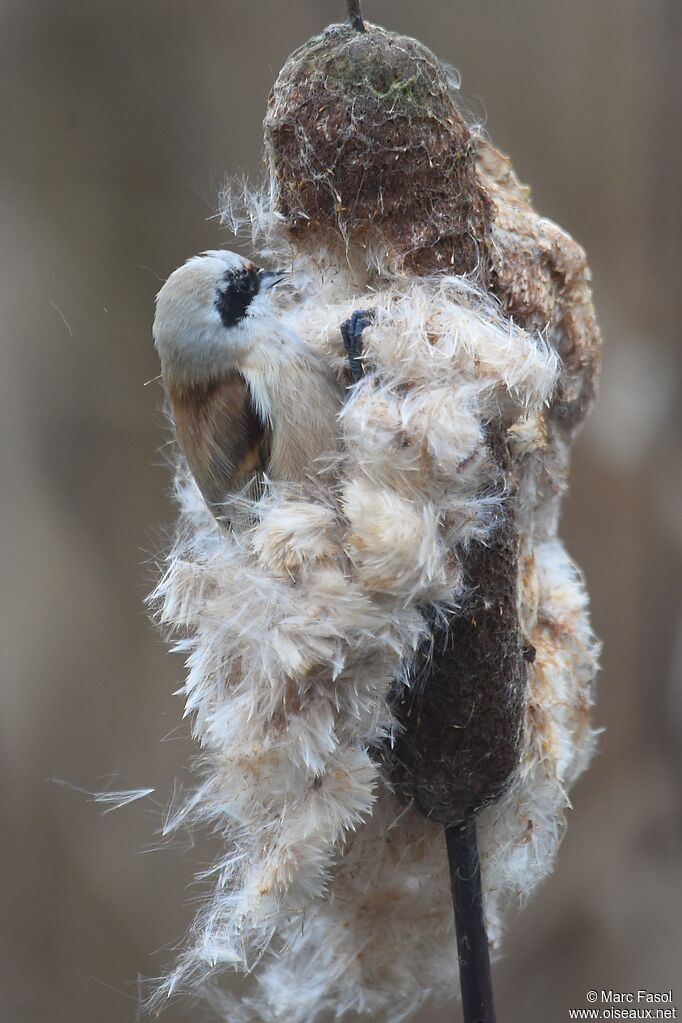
(225, 442)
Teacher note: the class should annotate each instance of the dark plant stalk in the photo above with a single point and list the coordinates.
(472, 940)
(465, 871)
(355, 15)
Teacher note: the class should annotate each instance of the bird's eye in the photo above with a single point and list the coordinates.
(244, 285)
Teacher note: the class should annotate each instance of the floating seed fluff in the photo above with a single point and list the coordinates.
(307, 630)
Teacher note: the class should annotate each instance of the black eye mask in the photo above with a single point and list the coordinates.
(234, 299)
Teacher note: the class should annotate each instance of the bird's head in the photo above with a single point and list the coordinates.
(208, 313)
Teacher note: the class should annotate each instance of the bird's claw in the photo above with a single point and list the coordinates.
(351, 332)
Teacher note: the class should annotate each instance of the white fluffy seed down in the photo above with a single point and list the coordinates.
(296, 628)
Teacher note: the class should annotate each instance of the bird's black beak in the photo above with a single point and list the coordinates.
(269, 278)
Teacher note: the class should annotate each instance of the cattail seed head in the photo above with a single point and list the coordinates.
(363, 138)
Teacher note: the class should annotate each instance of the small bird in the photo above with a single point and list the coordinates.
(249, 398)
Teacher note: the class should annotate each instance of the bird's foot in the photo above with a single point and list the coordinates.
(351, 332)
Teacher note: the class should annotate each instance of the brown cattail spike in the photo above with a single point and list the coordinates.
(365, 142)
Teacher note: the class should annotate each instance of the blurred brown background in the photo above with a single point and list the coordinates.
(118, 122)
